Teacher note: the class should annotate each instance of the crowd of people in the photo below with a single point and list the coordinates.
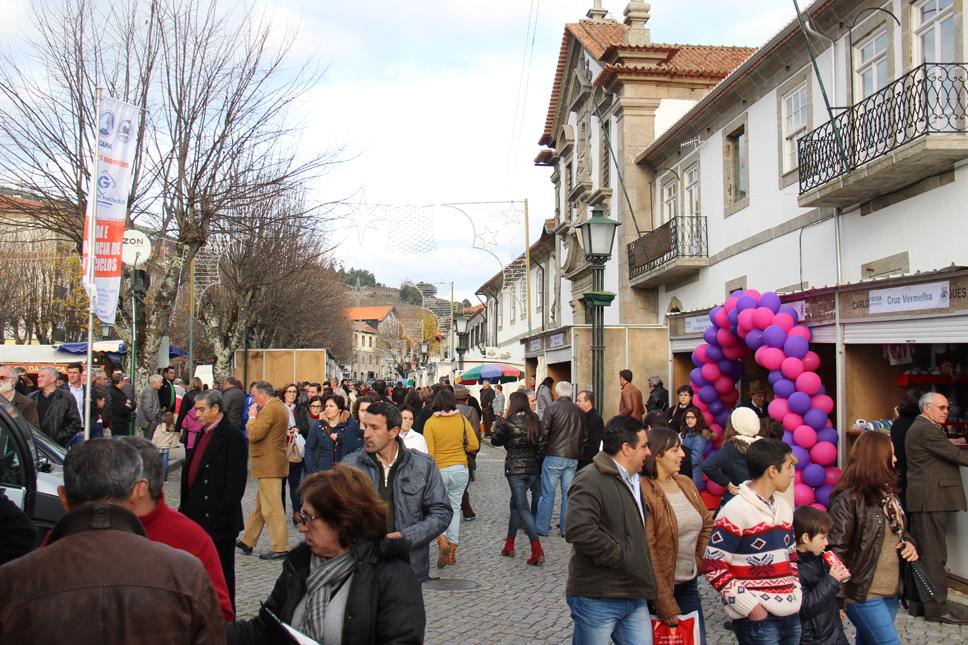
(377, 474)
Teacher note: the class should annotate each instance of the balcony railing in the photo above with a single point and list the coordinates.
(930, 99)
(680, 237)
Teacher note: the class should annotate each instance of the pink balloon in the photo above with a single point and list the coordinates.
(699, 403)
(811, 361)
(778, 408)
(802, 495)
(725, 338)
(805, 437)
(754, 294)
(791, 367)
(809, 383)
(792, 421)
(823, 402)
(819, 506)
(745, 318)
(798, 477)
(717, 432)
(730, 304)
(701, 352)
(734, 352)
(800, 330)
(824, 453)
(720, 319)
(743, 332)
(762, 317)
(730, 398)
(784, 321)
(723, 384)
(770, 357)
(833, 476)
(710, 372)
(707, 416)
(714, 488)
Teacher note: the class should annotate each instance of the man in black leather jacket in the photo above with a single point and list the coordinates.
(561, 441)
(56, 408)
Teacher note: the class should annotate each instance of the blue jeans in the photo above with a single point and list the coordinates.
(625, 621)
(455, 481)
(521, 511)
(295, 478)
(874, 620)
(775, 630)
(164, 462)
(554, 470)
(687, 597)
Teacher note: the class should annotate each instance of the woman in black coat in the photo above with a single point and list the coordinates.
(347, 582)
(727, 466)
(907, 412)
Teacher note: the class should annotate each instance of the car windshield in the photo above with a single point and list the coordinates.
(48, 447)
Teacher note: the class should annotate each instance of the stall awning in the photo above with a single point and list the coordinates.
(32, 355)
(112, 347)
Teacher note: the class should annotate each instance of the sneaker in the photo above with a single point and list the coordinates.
(470, 518)
(243, 547)
(273, 555)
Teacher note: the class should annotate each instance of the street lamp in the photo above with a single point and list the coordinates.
(598, 235)
(460, 326)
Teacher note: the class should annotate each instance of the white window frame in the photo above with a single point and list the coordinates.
(942, 15)
(539, 288)
(795, 123)
(511, 298)
(669, 196)
(872, 63)
(692, 191)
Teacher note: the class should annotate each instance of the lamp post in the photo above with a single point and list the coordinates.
(598, 235)
(460, 326)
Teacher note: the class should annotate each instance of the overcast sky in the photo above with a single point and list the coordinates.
(421, 97)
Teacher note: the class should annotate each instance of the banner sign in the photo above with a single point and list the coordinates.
(110, 184)
(933, 295)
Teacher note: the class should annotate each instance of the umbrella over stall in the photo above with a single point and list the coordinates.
(493, 372)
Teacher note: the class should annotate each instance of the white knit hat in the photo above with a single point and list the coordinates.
(745, 422)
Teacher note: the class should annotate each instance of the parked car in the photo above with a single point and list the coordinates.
(31, 469)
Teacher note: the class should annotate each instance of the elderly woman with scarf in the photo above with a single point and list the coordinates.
(347, 582)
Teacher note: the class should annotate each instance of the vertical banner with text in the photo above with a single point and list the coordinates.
(107, 201)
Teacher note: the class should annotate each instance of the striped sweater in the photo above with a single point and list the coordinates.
(751, 556)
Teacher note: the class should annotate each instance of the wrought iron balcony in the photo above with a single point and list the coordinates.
(676, 248)
(912, 128)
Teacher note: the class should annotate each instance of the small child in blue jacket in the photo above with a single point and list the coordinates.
(819, 614)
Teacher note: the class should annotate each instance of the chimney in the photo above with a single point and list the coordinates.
(636, 15)
(596, 12)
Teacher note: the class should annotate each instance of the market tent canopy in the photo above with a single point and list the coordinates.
(112, 347)
(33, 354)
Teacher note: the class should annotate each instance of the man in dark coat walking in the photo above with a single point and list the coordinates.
(122, 407)
(595, 427)
(56, 408)
(213, 481)
(234, 400)
(934, 491)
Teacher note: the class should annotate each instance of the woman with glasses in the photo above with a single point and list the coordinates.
(324, 432)
(695, 437)
(674, 414)
(345, 583)
(289, 395)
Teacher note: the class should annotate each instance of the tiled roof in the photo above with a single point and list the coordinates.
(603, 38)
(359, 325)
(369, 313)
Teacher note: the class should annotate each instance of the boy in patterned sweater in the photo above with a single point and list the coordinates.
(751, 557)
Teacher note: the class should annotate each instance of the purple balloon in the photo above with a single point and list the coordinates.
(733, 317)
(823, 495)
(714, 353)
(788, 438)
(829, 435)
(822, 390)
(775, 376)
(814, 475)
(716, 407)
(746, 302)
(771, 301)
(774, 336)
(815, 418)
(695, 375)
(710, 336)
(736, 292)
(708, 393)
(725, 366)
(791, 311)
(783, 388)
(712, 313)
(803, 457)
(799, 402)
(796, 346)
(754, 339)
(735, 369)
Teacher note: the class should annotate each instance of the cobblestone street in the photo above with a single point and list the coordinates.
(513, 603)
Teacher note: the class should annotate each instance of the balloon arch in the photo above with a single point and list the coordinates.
(751, 322)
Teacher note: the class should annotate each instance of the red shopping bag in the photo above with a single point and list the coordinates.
(685, 633)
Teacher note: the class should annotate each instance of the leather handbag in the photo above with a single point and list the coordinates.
(916, 586)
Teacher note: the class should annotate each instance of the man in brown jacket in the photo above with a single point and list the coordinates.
(610, 577)
(98, 579)
(23, 403)
(630, 405)
(266, 429)
(934, 490)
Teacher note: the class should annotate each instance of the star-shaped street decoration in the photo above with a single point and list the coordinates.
(485, 239)
(512, 214)
(364, 217)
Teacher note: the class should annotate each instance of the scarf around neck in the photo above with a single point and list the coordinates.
(326, 575)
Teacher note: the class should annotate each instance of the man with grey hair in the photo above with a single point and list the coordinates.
(233, 398)
(213, 480)
(658, 396)
(23, 403)
(934, 490)
(97, 574)
(561, 440)
(56, 408)
(149, 408)
(167, 526)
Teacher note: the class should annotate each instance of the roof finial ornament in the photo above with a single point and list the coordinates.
(637, 13)
(596, 12)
